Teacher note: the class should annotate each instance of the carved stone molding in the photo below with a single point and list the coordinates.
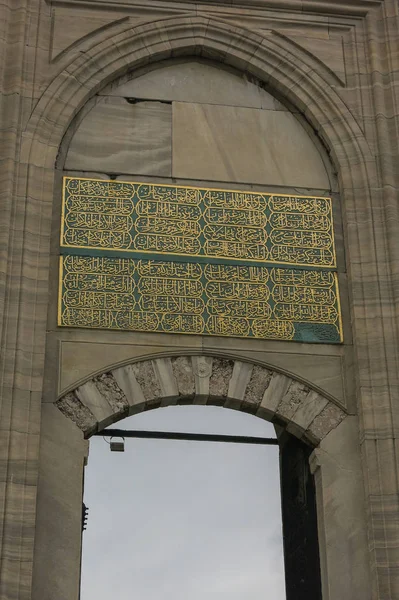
(201, 380)
(353, 8)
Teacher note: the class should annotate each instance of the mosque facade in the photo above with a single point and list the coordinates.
(199, 204)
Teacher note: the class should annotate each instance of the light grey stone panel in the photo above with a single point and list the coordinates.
(277, 388)
(128, 383)
(313, 404)
(119, 137)
(195, 81)
(292, 400)
(90, 395)
(202, 367)
(239, 380)
(164, 371)
(341, 514)
(59, 509)
(226, 143)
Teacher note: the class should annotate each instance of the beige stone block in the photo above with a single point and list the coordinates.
(91, 397)
(108, 386)
(307, 412)
(241, 144)
(147, 379)
(59, 508)
(164, 372)
(193, 80)
(277, 388)
(128, 383)
(72, 408)
(327, 420)
(119, 137)
(259, 381)
(342, 514)
(328, 51)
(292, 400)
(67, 29)
(239, 380)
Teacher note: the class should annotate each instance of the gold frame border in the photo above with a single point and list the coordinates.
(62, 229)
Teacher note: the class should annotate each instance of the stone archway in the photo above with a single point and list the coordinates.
(303, 81)
(206, 379)
(201, 379)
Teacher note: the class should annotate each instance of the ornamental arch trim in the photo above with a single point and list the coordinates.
(201, 379)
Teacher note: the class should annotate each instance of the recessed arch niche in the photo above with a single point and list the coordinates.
(196, 119)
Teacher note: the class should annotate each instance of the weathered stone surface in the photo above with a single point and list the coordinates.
(184, 375)
(91, 396)
(202, 368)
(163, 381)
(128, 383)
(312, 406)
(239, 380)
(277, 388)
(109, 388)
(79, 413)
(292, 400)
(341, 509)
(189, 80)
(222, 370)
(147, 379)
(329, 418)
(119, 137)
(244, 145)
(259, 381)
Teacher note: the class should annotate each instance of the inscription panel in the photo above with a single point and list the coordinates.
(151, 257)
(186, 221)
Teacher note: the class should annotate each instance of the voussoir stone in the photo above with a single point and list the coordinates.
(147, 379)
(222, 370)
(183, 371)
(109, 388)
(74, 409)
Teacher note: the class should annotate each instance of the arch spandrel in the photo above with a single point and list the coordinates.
(276, 60)
(201, 379)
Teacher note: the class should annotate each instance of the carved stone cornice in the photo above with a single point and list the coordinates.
(349, 8)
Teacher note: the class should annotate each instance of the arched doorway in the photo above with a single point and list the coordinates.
(180, 518)
(290, 404)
